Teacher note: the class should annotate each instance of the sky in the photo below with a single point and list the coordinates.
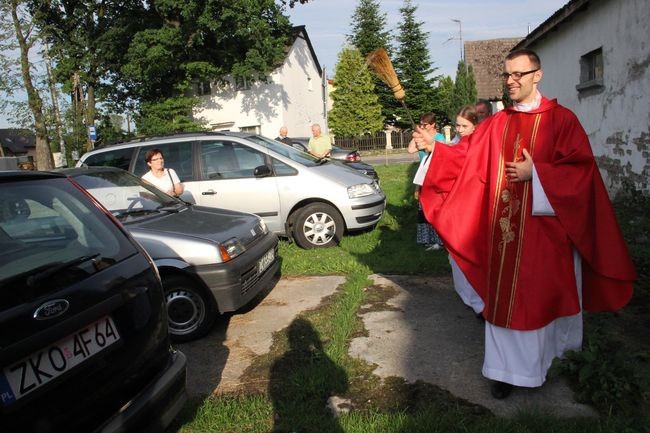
(328, 22)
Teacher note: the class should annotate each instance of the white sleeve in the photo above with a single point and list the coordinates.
(541, 205)
(418, 179)
(175, 177)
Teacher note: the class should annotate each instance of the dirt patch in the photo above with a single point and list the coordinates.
(217, 363)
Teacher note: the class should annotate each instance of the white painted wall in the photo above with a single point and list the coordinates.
(616, 118)
(293, 97)
(304, 94)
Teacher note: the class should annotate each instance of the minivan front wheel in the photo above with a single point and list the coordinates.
(317, 225)
(190, 312)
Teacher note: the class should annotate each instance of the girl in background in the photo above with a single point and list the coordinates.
(425, 234)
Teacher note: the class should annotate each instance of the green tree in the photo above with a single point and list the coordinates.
(10, 78)
(23, 33)
(204, 40)
(356, 110)
(414, 67)
(132, 55)
(109, 129)
(446, 111)
(87, 42)
(464, 88)
(369, 33)
(198, 41)
(167, 116)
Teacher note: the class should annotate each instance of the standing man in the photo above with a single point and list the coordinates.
(522, 208)
(283, 137)
(483, 110)
(320, 145)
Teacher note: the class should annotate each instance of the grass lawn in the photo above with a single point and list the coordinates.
(308, 361)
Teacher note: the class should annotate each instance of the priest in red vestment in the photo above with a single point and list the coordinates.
(522, 208)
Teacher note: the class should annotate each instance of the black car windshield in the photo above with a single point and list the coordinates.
(126, 196)
(50, 225)
(287, 151)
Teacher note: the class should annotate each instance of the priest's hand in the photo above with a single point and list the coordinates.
(521, 170)
(423, 139)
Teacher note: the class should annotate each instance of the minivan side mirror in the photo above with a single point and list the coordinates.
(262, 171)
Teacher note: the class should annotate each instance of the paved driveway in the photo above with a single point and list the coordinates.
(427, 334)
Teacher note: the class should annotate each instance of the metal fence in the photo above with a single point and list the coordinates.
(398, 140)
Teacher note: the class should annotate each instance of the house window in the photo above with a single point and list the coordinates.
(242, 84)
(310, 86)
(203, 88)
(591, 70)
(251, 129)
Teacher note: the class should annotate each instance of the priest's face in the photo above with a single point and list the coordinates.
(521, 78)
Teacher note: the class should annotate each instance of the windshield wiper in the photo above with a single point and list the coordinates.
(174, 207)
(322, 160)
(54, 267)
(133, 212)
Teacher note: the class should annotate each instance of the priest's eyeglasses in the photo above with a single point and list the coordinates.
(517, 75)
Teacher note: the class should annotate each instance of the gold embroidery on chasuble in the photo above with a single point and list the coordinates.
(509, 207)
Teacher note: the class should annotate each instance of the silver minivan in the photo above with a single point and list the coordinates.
(313, 201)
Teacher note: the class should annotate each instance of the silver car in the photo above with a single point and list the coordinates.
(210, 260)
(313, 201)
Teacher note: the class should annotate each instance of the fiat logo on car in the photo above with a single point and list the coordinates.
(51, 309)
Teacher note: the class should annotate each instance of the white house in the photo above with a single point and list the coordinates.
(596, 60)
(295, 96)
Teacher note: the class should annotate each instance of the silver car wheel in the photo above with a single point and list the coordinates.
(318, 225)
(319, 228)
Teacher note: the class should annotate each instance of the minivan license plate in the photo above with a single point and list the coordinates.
(265, 261)
(43, 366)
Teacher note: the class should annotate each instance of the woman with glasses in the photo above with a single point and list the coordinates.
(162, 178)
(425, 234)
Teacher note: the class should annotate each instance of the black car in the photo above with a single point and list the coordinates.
(351, 158)
(84, 343)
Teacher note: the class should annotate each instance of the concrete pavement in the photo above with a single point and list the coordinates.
(426, 334)
(392, 157)
(430, 335)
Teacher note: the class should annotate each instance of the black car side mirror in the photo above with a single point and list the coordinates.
(262, 171)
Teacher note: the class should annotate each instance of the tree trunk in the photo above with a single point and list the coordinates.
(43, 154)
(55, 105)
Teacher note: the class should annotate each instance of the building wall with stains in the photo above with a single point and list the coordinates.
(614, 111)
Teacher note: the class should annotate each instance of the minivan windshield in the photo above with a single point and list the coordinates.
(286, 151)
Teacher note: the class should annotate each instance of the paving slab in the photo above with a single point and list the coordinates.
(430, 335)
(216, 362)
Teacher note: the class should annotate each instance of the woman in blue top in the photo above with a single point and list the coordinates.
(425, 234)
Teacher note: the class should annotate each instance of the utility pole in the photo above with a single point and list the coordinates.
(460, 37)
(325, 96)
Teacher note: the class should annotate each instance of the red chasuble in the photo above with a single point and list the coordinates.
(522, 265)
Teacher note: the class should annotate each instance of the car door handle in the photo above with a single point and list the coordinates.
(209, 192)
